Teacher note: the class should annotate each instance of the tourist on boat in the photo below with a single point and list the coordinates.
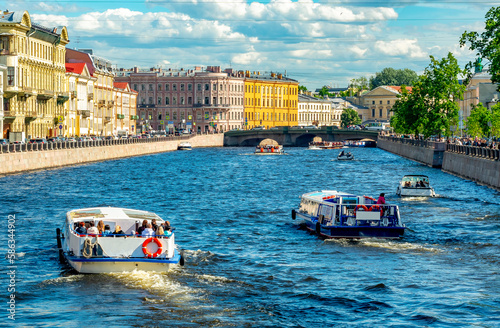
(381, 199)
(92, 230)
(143, 227)
(107, 230)
(100, 227)
(342, 153)
(155, 226)
(159, 231)
(148, 232)
(81, 228)
(118, 231)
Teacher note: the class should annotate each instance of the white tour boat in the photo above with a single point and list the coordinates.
(415, 186)
(336, 214)
(103, 253)
(185, 145)
(326, 145)
(269, 150)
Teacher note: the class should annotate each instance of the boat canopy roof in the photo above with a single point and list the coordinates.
(324, 195)
(110, 213)
(415, 178)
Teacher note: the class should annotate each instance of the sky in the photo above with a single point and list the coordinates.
(316, 42)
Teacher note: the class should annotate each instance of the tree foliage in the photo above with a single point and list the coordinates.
(477, 122)
(349, 117)
(302, 88)
(486, 45)
(324, 91)
(391, 76)
(432, 107)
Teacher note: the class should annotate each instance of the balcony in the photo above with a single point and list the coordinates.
(134, 117)
(84, 112)
(111, 103)
(107, 119)
(30, 116)
(120, 116)
(9, 116)
(73, 94)
(26, 92)
(45, 94)
(90, 96)
(10, 91)
(102, 103)
(63, 97)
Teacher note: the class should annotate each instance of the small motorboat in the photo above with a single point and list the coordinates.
(185, 145)
(345, 156)
(336, 214)
(115, 252)
(415, 186)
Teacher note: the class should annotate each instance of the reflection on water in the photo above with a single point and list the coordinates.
(247, 263)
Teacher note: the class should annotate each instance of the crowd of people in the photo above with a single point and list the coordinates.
(147, 229)
(493, 143)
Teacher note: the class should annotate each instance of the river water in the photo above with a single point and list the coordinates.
(247, 262)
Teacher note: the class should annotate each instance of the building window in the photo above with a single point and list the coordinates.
(380, 112)
(166, 87)
(190, 100)
(174, 101)
(199, 87)
(174, 115)
(167, 101)
(11, 74)
(150, 100)
(373, 112)
(159, 87)
(207, 86)
(159, 117)
(143, 87)
(207, 102)
(214, 100)
(182, 101)
(174, 87)
(190, 87)
(381, 102)
(388, 102)
(159, 100)
(214, 87)
(150, 87)
(182, 86)
(135, 87)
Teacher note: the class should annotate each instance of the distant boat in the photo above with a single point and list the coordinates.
(185, 145)
(343, 156)
(269, 150)
(336, 214)
(326, 145)
(103, 253)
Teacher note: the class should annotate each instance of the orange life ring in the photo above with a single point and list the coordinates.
(360, 206)
(145, 249)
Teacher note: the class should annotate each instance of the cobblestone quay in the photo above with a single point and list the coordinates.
(17, 158)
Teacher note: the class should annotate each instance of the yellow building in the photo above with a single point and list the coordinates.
(270, 100)
(126, 109)
(35, 92)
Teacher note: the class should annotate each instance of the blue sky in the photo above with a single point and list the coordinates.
(317, 42)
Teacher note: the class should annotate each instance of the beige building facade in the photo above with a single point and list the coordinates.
(314, 111)
(378, 103)
(35, 92)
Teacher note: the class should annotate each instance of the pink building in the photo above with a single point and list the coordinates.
(195, 100)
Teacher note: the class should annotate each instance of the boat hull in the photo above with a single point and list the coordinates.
(357, 232)
(415, 192)
(109, 265)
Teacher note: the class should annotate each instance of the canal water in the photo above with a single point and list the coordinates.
(247, 262)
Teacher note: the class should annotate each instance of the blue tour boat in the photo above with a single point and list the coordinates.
(335, 214)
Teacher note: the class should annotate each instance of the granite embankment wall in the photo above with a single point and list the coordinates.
(15, 162)
(426, 152)
(481, 165)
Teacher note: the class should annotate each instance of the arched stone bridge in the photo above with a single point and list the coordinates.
(290, 137)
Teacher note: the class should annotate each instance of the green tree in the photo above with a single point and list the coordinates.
(431, 107)
(391, 76)
(324, 91)
(302, 88)
(486, 45)
(495, 120)
(477, 122)
(349, 117)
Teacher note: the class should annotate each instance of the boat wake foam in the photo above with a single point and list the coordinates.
(380, 243)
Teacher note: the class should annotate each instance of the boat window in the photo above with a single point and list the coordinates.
(349, 200)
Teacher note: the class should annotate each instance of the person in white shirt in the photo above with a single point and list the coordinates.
(148, 232)
(93, 229)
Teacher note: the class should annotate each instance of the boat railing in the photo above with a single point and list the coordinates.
(133, 235)
(383, 215)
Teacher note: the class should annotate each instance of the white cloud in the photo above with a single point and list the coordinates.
(401, 47)
(249, 58)
(359, 52)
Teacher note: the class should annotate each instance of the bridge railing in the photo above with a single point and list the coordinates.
(481, 152)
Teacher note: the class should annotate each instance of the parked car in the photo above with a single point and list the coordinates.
(4, 141)
(71, 139)
(38, 140)
(311, 127)
(55, 139)
(258, 128)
